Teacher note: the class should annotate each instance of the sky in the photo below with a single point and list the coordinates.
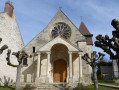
(34, 15)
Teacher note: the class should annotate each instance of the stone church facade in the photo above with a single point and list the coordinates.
(56, 51)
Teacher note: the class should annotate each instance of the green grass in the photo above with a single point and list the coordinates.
(6, 88)
(105, 82)
(9, 88)
(91, 87)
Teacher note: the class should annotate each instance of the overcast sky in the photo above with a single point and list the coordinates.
(34, 15)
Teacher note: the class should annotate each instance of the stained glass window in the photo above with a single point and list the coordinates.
(61, 30)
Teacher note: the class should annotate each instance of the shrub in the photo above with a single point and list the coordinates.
(27, 86)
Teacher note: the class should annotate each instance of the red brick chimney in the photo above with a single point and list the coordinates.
(9, 8)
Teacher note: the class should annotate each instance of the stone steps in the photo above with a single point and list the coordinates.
(54, 87)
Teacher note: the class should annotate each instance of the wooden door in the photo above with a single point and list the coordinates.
(60, 71)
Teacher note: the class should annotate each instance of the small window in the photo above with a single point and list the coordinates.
(25, 62)
(33, 49)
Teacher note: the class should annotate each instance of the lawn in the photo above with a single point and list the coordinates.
(6, 88)
(91, 87)
(105, 82)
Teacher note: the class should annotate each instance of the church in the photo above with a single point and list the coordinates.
(56, 51)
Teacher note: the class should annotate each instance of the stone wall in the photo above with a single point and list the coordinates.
(75, 58)
(87, 70)
(10, 34)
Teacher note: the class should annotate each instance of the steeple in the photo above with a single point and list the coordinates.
(84, 31)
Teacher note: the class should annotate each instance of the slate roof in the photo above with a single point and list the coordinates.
(84, 31)
(89, 40)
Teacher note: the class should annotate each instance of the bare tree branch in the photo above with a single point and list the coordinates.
(94, 61)
(3, 47)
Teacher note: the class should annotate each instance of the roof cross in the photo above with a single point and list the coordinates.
(60, 7)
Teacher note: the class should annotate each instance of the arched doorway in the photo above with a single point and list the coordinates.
(60, 71)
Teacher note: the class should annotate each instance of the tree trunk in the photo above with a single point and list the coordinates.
(17, 86)
(95, 78)
(118, 66)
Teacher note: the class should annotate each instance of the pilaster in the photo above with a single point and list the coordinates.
(38, 69)
(48, 63)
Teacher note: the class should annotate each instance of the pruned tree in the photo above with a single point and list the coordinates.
(20, 55)
(110, 45)
(3, 47)
(93, 61)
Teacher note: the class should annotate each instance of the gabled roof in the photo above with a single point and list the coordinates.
(60, 40)
(58, 17)
(62, 14)
(83, 29)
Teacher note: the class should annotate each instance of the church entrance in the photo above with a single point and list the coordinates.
(60, 71)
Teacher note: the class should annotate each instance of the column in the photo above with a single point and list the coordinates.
(48, 63)
(80, 67)
(37, 79)
(70, 67)
(38, 65)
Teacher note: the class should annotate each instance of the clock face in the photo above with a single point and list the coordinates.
(61, 30)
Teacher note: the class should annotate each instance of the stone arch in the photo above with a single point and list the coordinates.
(59, 41)
(57, 45)
(59, 52)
